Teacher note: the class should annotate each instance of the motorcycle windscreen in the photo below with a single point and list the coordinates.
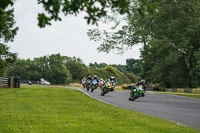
(140, 87)
(94, 81)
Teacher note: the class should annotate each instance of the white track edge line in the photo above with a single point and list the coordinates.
(130, 109)
(96, 98)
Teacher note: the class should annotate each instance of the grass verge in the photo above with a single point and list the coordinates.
(41, 109)
(180, 94)
(189, 95)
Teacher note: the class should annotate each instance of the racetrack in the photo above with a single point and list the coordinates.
(182, 110)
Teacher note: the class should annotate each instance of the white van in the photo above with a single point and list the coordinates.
(44, 82)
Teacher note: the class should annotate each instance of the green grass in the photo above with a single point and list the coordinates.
(189, 95)
(180, 94)
(49, 110)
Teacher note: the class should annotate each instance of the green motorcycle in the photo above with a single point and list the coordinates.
(113, 86)
(136, 92)
(106, 88)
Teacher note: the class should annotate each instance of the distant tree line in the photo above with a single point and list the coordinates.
(59, 69)
(168, 30)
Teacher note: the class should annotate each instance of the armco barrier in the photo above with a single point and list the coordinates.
(179, 90)
(183, 90)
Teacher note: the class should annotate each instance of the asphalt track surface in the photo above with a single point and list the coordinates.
(182, 110)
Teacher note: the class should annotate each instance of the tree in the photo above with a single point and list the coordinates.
(7, 29)
(133, 65)
(132, 77)
(76, 67)
(51, 68)
(170, 42)
(7, 33)
(174, 64)
(22, 68)
(58, 72)
(121, 68)
(6, 58)
(94, 9)
(136, 30)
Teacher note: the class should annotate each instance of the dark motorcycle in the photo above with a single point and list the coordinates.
(84, 83)
(88, 85)
(136, 92)
(94, 85)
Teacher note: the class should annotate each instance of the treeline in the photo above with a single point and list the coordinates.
(59, 69)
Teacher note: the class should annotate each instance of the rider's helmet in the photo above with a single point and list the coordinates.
(89, 76)
(101, 79)
(142, 81)
(111, 77)
(95, 76)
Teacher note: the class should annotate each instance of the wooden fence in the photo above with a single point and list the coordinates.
(9, 82)
(4, 82)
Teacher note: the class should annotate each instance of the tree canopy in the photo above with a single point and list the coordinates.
(170, 38)
(94, 9)
(59, 69)
(7, 33)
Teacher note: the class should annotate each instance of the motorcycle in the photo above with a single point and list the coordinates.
(101, 83)
(106, 88)
(88, 85)
(94, 85)
(113, 86)
(84, 83)
(136, 92)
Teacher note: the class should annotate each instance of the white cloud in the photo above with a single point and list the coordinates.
(67, 37)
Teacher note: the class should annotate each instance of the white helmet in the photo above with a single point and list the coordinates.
(142, 80)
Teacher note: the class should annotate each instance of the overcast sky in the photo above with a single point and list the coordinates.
(67, 37)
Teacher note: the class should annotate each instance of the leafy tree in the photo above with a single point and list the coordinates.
(58, 72)
(133, 65)
(94, 9)
(7, 29)
(7, 33)
(170, 42)
(121, 68)
(136, 30)
(76, 67)
(101, 65)
(132, 77)
(51, 68)
(108, 71)
(6, 58)
(95, 65)
(21, 68)
(170, 57)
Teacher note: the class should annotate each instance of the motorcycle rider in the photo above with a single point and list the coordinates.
(101, 82)
(113, 81)
(89, 78)
(84, 82)
(96, 78)
(88, 82)
(142, 82)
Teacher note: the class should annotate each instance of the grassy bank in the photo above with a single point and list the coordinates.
(180, 94)
(42, 109)
(189, 95)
